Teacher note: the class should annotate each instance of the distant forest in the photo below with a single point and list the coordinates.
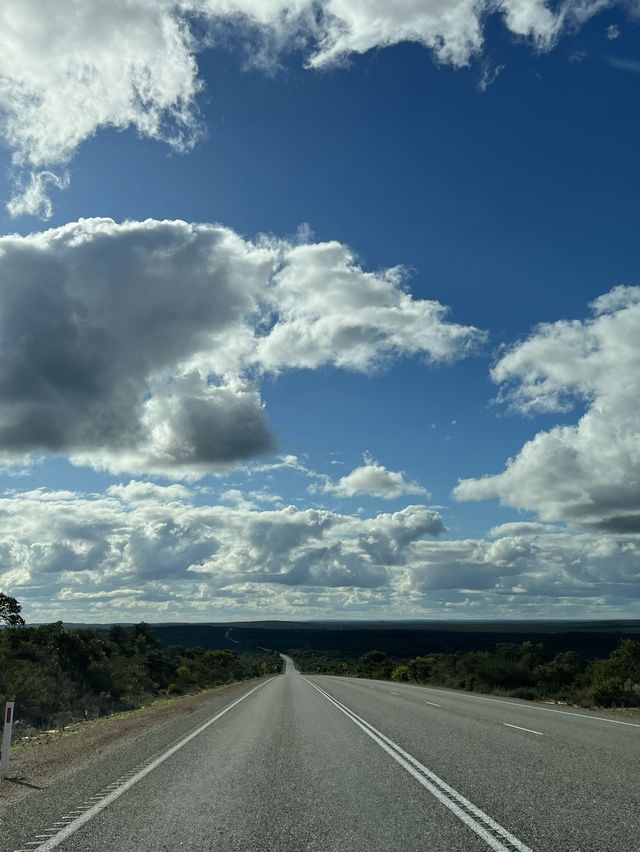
(58, 676)
(63, 673)
(590, 663)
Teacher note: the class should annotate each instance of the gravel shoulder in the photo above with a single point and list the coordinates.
(41, 760)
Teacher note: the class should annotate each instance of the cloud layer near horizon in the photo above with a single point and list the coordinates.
(138, 346)
(142, 550)
(87, 65)
(142, 541)
(586, 474)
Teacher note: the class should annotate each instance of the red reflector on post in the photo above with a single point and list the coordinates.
(8, 715)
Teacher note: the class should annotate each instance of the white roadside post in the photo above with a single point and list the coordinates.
(6, 739)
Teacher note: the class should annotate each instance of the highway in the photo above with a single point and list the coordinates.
(302, 762)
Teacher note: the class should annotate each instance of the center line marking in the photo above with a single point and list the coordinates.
(393, 693)
(432, 703)
(74, 824)
(528, 730)
(494, 835)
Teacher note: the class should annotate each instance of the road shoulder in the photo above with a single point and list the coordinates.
(50, 757)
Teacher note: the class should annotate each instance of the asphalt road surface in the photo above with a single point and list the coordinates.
(325, 763)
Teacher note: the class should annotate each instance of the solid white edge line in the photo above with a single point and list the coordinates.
(77, 823)
(512, 704)
(448, 789)
(449, 798)
(528, 730)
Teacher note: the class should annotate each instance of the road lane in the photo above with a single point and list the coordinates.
(362, 766)
(485, 827)
(56, 835)
(28, 816)
(572, 789)
(284, 770)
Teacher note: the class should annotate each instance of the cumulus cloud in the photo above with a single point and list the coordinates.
(76, 66)
(144, 550)
(158, 540)
(451, 29)
(535, 574)
(374, 479)
(137, 492)
(99, 324)
(73, 67)
(137, 346)
(331, 312)
(587, 473)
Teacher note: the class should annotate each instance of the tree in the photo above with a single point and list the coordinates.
(143, 634)
(375, 664)
(10, 611)
(420, 668)
(400, 673)
(561, 673)
(616, 680)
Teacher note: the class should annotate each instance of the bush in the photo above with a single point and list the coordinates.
(400, 673)
(58, 675)
(522, 671)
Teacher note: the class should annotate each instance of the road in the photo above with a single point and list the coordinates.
(325, 763)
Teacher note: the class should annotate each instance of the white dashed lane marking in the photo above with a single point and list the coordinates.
(528, 730)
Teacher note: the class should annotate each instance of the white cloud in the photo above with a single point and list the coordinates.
(31, 197)
(374, 479)
(149, 551)
(70, 68)
(588, 473)
(452, 30)
(331, 312)
(62, 546)
(74, 66)
(138, 492)
(536, 574)
(136, 347)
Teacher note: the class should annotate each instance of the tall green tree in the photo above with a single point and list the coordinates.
(10, 611)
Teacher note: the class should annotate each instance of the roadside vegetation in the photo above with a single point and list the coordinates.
(525, 670)
(58, 676)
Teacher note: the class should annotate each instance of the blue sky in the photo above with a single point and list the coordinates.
(167, 456)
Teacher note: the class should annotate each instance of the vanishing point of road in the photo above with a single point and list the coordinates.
(316, 763)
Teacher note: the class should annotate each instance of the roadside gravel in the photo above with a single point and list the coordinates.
(45, 758)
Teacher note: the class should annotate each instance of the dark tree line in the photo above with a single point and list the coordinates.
(524, 670)
(58, 676)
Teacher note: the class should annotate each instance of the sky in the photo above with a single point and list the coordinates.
(319, 310)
